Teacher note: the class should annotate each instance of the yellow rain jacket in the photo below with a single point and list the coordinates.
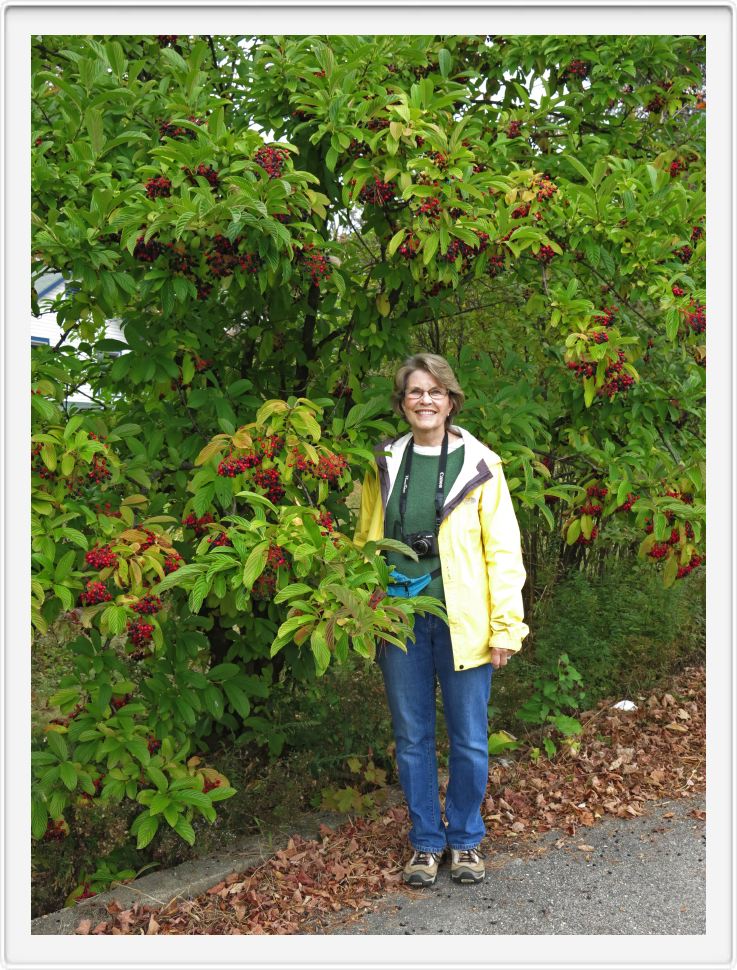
(479, 544)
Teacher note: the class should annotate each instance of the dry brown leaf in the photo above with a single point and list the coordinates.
(84, 927)
(585, 848)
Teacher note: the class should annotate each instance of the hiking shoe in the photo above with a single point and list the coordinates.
(422, 868)
(467, 865)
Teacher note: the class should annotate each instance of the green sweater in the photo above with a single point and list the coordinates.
(420, 514)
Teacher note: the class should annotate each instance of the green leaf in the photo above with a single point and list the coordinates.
(68, 775)
(238, 699)
(567, 726)
(395, 242)
(94, 124)
(221, 672)
(184, 830)
(289, 592)
(158, 777)
(39, 818)
(574, 531)
(444, 61)
(430, 247)
(213, 701)
(58, 745)
(147, 829)
(320, 649)
(255, 563)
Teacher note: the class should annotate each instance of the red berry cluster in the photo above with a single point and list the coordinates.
(168, 129)
(678, 291)
(315, 263)
(223, 259)
(330, 468)
(546, 190)
(198, 524)
(694, 562)
(583, 368)
(430, 208)
(659, 550)
(377, 124)
(147, 605)
(270, 480)
(357, 149)
(496, 265)
(147, 252)
(139, 632)
(599, 336)
(325, 520)
(656, 104)
(265, 586)
(38, 466)
(684, 254)
(440, 160)
(203, 290)
(271, 160)
(101, 557)
(579, 69)
(583, 541)
(153, 744)
(209, 784)
(696, 233)
(454, 248)
(158, 188)
(409, 247)
(270, 446)
(108, 510)
(96, 592)
(521, 211)
(165, 39)
(56, 831)
(150, 540)
(219, 539)
(597, 491)
(677, 166)
(117, 702)
(378, 192)
(230, 467)
(513, 129)
(626, 506)
(172, 562)
(606, 319)
(179, 260)
(206, 172)
(614, 378)
(544, 254)
(696, 317)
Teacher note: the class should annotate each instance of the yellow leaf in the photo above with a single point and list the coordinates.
(136, 499)
(382, 304)
(210, 449)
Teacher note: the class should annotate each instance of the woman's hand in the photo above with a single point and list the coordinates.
(499, 657)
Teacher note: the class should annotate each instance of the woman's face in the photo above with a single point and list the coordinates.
(426, 412)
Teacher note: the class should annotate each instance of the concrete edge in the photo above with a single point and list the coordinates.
(194, 877)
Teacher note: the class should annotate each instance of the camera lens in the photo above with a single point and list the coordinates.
(421, 547)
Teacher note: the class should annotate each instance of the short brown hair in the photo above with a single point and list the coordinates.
(439, 368)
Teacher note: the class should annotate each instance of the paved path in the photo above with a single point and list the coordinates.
(644, 875)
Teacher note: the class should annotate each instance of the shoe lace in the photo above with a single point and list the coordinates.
(469, 855)
(426, 858)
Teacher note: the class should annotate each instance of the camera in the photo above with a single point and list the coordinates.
(423, 543)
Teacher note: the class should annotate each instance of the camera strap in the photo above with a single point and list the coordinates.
(439, 493)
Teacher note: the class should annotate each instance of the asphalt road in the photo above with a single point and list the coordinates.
(643, 875)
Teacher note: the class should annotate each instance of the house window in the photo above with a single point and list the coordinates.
(40, 341)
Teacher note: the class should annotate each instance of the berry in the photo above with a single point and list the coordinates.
(198, 524)
(599, 336)
(139, 632)
(168, 129)
(101, 557)
(430, 208)
(521, 211)
(684, 253)
(271, 160)
(147, 605)
(677, 291)
(172, 562)
(166, 39)
(219, 539)
(158, 188)
(579, 69)
(606, 318)
(96, 592)
(696, 317)
(676, 166)
(628, 503)
(545, 254)
(147, 252)
(513, 129)
(696, 233)
(546, 190)
(378, 192)
(153, 744)
(409, 248)
(315, 263)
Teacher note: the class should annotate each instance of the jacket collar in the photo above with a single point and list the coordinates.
(478, 462)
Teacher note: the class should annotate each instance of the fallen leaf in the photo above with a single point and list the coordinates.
(84, 927)
(585, 848)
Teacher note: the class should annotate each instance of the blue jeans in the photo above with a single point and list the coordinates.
(410, 681)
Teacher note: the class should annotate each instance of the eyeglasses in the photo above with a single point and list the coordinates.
(416, 393)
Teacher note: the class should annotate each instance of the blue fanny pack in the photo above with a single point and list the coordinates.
(402, 585)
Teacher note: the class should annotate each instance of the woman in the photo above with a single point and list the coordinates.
(443, 492)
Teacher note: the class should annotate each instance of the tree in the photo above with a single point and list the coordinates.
(276, 221)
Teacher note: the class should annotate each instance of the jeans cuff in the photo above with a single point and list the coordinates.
(465, 848)
(422, 848)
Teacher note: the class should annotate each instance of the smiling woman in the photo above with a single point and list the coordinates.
(442, 492)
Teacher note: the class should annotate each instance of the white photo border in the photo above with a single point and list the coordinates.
(714, 949)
